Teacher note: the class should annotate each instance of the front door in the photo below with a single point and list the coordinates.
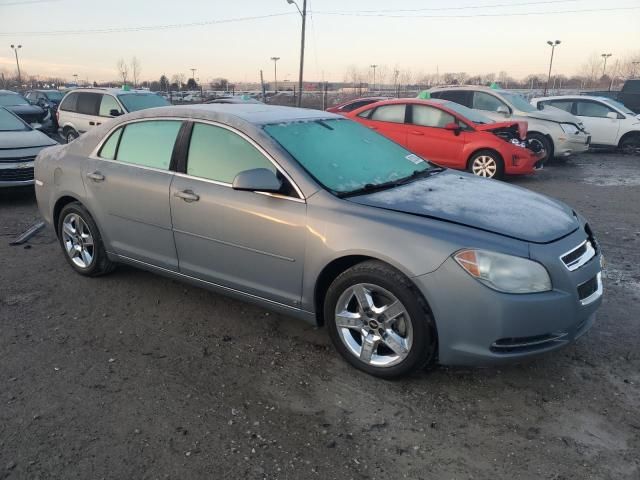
(603, 130)
(427, 136)
(246, 241)
(128, 191)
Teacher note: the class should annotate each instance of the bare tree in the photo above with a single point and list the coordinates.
(136, 68)
(123, 70)
(178, 79)
(591, 69)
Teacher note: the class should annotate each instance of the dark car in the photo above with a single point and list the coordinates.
(16, 103)
(48, 100)
(19, 145)
(629, 96)
(234, 99)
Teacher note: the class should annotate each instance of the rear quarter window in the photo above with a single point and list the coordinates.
(70, 102)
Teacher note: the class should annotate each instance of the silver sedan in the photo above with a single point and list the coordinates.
(313, 215)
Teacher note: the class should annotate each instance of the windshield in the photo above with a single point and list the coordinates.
(54, 95)
(139, 101)
(344, 156)
(518, 101)
(618, 105)
(468, 113)
(10, 123)
(10, 99)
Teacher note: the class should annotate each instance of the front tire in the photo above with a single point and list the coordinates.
(71, 135)
(378, 321)
(630, 144)
(487, 164)
(541, 141)
(81, 241)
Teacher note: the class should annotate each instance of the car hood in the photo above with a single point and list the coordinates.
(488, 205)
(24, 139)
(521, 127)
(25, 109)
(555, 115)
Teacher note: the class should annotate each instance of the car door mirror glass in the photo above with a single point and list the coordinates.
(453, 126)
(257, 180)
(115, 113)
(612, 115)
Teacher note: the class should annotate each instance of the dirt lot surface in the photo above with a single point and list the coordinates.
(133, 376)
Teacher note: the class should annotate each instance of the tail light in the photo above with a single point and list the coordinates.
(57, 115)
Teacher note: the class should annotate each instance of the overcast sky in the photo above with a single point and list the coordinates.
(481, 43)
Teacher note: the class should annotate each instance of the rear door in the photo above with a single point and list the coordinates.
(388, 120)
(127, 186)
(603, 130)
(246, 241)
(428, 138)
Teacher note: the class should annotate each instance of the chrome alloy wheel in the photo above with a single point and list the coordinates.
(374, 325)
(77, 240)
(484, 166)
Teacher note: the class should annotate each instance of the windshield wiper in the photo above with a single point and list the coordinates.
(375, 187)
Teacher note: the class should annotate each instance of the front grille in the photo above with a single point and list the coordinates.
(17, 159)
(588, 288)
(578, 256)
(527, 344)
(16, 174)
(31, 117)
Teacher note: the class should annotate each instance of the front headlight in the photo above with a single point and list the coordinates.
(505, 273)
(569, 128)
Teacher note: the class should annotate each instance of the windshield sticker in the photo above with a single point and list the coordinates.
(414, 159)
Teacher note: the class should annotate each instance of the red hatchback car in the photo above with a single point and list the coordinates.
(452, 135)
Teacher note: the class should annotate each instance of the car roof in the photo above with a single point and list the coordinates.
(114, 91)
(571, 97)
(248, 113)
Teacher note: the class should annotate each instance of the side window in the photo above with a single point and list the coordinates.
(485, 101)
(149, 143)
(109, 147)
(463, 97)
(70, 102)
(430, 117)
(88, 103)
(216, 153)
(107, 104)
(355, 105)
(389, 113)
(591, 109)
(565, 105)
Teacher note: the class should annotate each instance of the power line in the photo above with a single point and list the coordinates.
(477, 15)
(25, 2)
(146, 28)
(463, 7)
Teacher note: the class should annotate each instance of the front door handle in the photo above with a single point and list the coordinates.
(187, 196)
(92, 123)
(96, 176)
(372, 127)
(416, 132)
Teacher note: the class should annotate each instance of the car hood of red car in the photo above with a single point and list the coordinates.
(490, 127)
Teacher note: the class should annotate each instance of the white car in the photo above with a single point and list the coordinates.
(85, 108)
(610, 123)
(559, 133)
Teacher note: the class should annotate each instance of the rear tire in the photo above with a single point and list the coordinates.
(71, 135)
(486, 164)
(81, 241)
(378, 321)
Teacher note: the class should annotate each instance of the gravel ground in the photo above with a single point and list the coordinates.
(136, 376)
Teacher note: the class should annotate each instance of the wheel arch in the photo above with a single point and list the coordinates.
(59, 205)
(631, 134)
(549, 139)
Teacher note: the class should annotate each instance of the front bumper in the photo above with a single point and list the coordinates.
(523, 161)
(480, 326)
(566, 145)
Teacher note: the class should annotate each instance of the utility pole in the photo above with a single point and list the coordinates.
(374, 66)
(75, 76)
(553, 46)
(15, 50)
(604, 67)
(264, 93)
(275, 73)
(193, 74)
(303, 14)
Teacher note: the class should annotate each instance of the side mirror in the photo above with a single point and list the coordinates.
(612, 115)
(454, 127)
(257, 180)
(115, 113)
(503, 110)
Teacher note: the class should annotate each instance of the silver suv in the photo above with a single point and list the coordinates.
(83, 109)
(559, 133)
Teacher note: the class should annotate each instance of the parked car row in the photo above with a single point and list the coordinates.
(319, 217)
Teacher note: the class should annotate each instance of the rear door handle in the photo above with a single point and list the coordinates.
(415, 132)
(187, 196)
(96, 176)
(92, 123)
(372, 127)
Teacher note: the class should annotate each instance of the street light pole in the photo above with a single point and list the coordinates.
(303, 14)
(15, 50)
(275, 73)
(553, 46)
(604, 67)
(374, 66)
